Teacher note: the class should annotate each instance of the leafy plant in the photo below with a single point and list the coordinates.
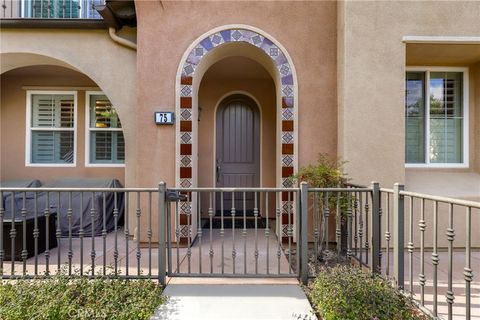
(328, 172)
(64, 297)
(345, 292)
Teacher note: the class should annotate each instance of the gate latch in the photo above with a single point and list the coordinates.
(173, 196)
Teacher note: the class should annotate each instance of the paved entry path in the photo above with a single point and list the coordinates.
(226, 299)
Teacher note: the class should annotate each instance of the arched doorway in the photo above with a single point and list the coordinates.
(218, 44)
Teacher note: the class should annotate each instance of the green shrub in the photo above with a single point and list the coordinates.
(343, 293)
(328, 172)
(59, 297)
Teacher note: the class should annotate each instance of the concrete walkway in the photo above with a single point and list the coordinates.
(212, 299)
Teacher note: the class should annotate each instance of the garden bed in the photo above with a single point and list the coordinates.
(61, 297)
(349, 293)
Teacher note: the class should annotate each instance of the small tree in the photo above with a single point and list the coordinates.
(328, 172)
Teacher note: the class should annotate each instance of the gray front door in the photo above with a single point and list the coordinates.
(238, 148)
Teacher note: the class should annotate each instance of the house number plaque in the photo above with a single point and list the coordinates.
(163, 117)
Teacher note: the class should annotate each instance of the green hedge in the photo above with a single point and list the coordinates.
(343, 293)
(59, 297)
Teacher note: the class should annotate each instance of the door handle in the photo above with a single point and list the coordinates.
(218, 170)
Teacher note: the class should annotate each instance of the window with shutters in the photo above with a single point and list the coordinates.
(105, 143)
(51, 118)
(436, 117)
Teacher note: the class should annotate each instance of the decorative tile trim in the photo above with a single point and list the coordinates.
(185, 131)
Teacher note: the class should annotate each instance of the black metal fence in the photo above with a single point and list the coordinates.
(245, 232)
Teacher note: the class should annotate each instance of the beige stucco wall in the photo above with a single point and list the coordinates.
(111, 66)
(371, 61)
(13, 122)
(312, 52)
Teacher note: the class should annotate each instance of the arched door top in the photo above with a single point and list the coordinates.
(210, 42)
(286, 96)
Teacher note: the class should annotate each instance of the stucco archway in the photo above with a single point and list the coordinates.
(209, 48)
(110, 66)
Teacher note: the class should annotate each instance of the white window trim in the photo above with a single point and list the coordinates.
(87, 134)
(466, 104)
(28, 128)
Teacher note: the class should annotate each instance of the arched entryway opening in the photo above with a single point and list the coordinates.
(57, 122)
(229, 42)
(236, 128)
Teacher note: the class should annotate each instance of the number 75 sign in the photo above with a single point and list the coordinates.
(164, 117)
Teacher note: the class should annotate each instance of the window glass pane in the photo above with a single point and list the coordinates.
(53, 9)
(446, 117)
(52, 147)
(54, 111)
(415, 117)
(120, 147)
(107, 147)
(102, 113)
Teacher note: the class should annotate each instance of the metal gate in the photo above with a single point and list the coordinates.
(213, 232)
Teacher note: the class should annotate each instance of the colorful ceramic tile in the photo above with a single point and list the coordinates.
(217, 39)
(285, 230)
(226, 35)
(287, 160)
(287, 137)
(185, 231)
(280, 59)
(185, 149)
(287, 206)
(206, 43)
(287, 80)
(186, 80)
(287, 183)
(186, 91)
(186, 114)
(287, 102)
(257, 40)
(186, 137)
(287, 172)
(287, 114)
(188, 69)
(287, 90)
(185, 183)
(284, 69)
(247, 35)
(274, 52)
(186, 161)
(185, 172)
(236, 35)
(186, 207)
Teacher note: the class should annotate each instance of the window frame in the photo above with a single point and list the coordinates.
(29, 128)
(88, 130)
(466, 114)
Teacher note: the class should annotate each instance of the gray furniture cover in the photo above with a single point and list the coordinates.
(21, 183)
(81, 209)
(6, 196)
